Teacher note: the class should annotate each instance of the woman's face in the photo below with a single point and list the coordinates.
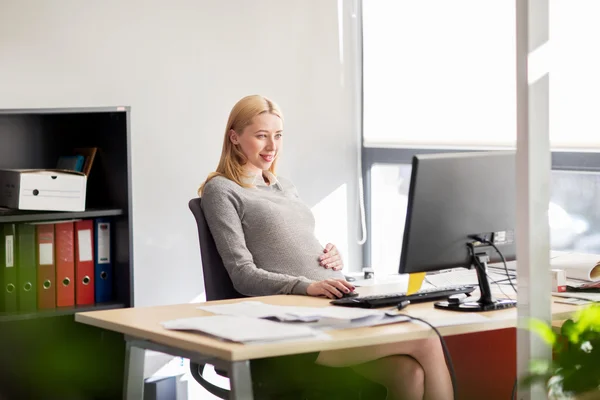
(261, 142)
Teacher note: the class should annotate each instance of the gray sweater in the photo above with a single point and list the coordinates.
(265, 236)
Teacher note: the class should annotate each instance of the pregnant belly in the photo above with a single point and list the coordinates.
(296, 258)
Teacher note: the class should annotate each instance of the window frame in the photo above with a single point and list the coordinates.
(561, 161)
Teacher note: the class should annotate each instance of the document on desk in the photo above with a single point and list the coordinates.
(321, 318)
(246, 330)
(595, 297)
(258, 309)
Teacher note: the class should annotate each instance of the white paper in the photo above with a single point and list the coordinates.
(243, 329)
(257, 309)
(582, 266)
(373, 320)
(462, 276)
(45, 254)
(576, 302)
(103, 237)
(10, 257)
(84, 238)
(576, 283)
(578, 295)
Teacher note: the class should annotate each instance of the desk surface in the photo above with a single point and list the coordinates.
(144, 323)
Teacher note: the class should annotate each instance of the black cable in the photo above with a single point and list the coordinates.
(514, 391)
(503, 262)
(482, 268)
(444, 349)
(500, 282)
(501, 256)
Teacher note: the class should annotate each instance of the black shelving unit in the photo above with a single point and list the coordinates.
(66, 359)
(16, 216)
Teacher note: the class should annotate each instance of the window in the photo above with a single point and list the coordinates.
(574, 213)
(441, 74)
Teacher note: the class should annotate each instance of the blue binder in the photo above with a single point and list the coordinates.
(103, 260)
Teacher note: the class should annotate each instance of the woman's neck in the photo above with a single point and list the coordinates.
(257, 172)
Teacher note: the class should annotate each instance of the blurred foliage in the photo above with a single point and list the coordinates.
(575, 367)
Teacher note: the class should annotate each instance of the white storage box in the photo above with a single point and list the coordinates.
(42, 189)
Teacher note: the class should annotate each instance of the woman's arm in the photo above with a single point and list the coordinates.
(223, 212)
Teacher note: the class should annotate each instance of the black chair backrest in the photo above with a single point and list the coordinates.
(217, 283)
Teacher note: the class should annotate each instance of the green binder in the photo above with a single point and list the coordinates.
(26, 267)
(8, 268)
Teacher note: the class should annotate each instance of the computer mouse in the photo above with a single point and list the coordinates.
(346, 295)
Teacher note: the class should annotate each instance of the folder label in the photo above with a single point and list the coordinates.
(103, 243)
(84, 237)
(10, 258)
(46, 255)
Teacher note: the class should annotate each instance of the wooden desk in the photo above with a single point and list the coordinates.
(142, 329)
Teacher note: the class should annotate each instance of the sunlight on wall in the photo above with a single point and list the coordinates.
(331, 215)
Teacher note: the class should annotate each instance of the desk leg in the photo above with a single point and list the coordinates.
(241, 381)
(134, 373)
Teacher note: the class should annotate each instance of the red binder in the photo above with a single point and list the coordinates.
(84, 262)
(65, 263)
(45, 266)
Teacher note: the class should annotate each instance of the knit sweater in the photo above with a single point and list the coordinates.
(264, 235)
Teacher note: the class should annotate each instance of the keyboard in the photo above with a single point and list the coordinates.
(393, 299)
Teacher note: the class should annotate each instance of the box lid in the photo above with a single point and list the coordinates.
(47, 171)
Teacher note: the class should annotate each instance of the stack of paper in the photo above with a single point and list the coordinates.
(243, 329)
(590, 297)
(254, 322)
(257, 309)
(321, 318)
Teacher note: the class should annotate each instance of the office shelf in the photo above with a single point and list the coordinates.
(57, 312)
(77, 359)
(15, 216)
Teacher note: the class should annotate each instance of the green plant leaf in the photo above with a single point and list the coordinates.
(569, 330)
(589, 318)
(533, 379)
(576, 354)
(540, 367)
(544, 330)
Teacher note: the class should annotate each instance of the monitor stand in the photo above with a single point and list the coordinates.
(479, 260)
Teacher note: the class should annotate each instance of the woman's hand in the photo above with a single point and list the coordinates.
(331, 258)
(331, 288)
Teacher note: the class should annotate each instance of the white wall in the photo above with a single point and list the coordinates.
(181, 65)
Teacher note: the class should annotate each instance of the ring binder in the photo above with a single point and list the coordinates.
(84, 262)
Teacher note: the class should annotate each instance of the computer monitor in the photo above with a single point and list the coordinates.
(458, 204)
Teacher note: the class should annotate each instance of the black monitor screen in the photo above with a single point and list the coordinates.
(454, 196)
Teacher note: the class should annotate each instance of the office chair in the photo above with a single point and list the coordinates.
(333, 382)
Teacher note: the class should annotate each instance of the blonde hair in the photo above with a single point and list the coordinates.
(231, 164)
